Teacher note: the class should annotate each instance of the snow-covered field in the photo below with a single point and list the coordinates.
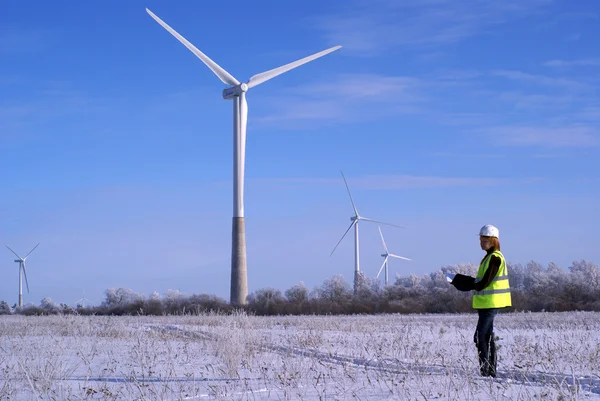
(553, 356)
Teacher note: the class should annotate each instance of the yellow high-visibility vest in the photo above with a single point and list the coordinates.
(497, 294)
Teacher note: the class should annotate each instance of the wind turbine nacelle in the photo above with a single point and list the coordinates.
(230, 93)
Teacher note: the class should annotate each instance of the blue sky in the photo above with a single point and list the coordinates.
(444, 116)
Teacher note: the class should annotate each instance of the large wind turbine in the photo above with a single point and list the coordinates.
(21, 262)
(386, 255)
(355, 219)
(237, 93)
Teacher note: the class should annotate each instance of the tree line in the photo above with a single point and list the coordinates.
(534, 288)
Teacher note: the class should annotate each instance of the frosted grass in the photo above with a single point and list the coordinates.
(550, 356)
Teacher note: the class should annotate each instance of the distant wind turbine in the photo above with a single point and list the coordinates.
(355, 219)
(237, 92)
(21, 262)
(386, 255)
(82, 300)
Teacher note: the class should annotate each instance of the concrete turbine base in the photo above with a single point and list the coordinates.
(239, 273)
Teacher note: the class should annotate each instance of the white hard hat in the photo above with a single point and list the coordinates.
(489, 231)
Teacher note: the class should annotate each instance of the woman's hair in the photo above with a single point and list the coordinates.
(495, 242)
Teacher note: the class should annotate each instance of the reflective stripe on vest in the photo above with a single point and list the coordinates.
(503, 277)
(487, 292)
(497, 294)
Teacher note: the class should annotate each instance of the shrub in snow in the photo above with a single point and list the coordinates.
(5, 308)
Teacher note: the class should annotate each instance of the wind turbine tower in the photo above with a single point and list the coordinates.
(21, 262)
(237, 92)
(354, 223)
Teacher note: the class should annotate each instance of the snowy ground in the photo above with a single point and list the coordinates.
(550, 356)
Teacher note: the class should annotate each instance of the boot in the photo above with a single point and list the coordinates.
(484, 367)
(492, 366)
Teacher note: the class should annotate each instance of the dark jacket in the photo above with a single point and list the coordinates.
(467, 283)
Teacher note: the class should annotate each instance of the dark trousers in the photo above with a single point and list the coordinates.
(484, 339)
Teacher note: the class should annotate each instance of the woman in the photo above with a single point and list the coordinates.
(492, 292)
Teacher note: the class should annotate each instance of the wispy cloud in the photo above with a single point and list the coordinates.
(541, 79)
(525, 101)
(570, 21)
(298, 110)
(466, 119)
(391, 182)
(552, 137)
(554, 154)
(348, 97)
(53, 103)
(454, 75)
(573, 37)
(7, 80)
(422, 182)
(573, 63)
(27, 110)
(13, 119)
(372, 27)
(361, 86)
(578, 16)
(13, 40)
(590, 113)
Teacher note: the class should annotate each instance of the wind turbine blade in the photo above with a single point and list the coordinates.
(223, 75)
(381, 222)
(382, 240)
(14, 252)
(382, 266)
(336, 245)
(25, 273)
(349, 194)
(265, 76)
(398, 257)
(31, 251)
